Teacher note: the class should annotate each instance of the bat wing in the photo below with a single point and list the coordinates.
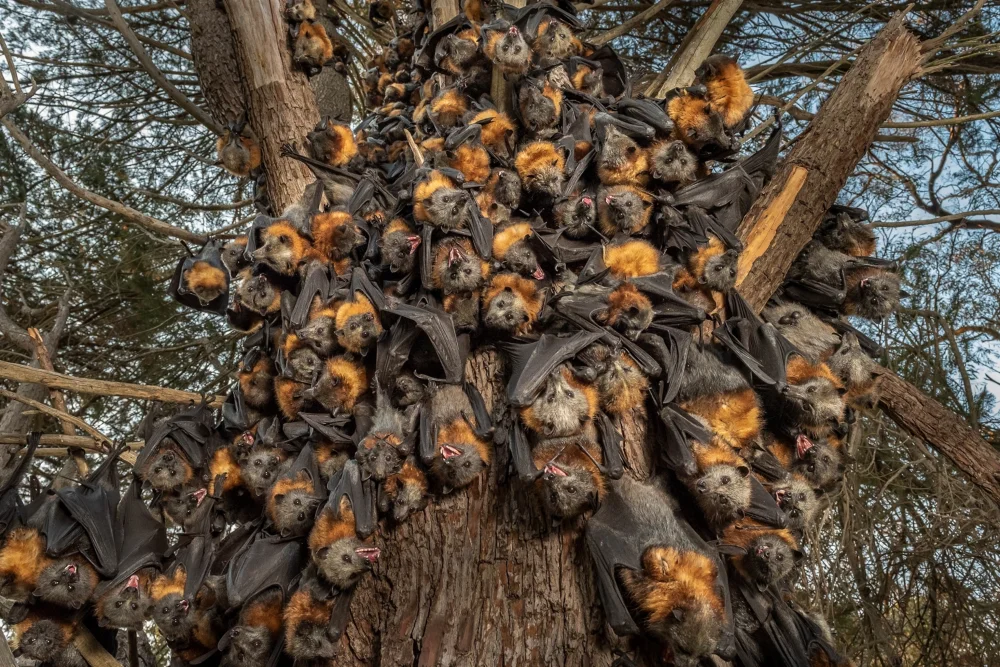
(196, 551)
(426, 257)
(484, 422)
(347, 482)
(264, 563)
(762, 506)
(680, 430)
(532, 363)
(813, 294)
(564, 249)
(481, 229)
(428, 436)
(439, 328)
(615, 74)
(669, 347)
(647, 111)
(211, 254)
(328, 426)
(316, 285)
(733, 335)
(611, 446)
(93, 505)
(142, 538)
(424, 58)
(392, 351)
(670, 310)
(10, 502)
(871, 348)
(361, 282)
(610, 547)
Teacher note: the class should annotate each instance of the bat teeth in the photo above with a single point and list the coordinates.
(554, 471)
(802, 445)
(370, 554)
(448, 452)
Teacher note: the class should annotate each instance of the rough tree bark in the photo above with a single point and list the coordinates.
(790, 209)
(281, 105)
(479, 577)
(214, 54)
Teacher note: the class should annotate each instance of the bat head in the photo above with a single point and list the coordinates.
(568, 491)
(309, 641)
(318, 333)
(798, 500)
(723, 493)
(303, 364)
(538, 112)
(506, 312)
(67, 582)
(447, 208)
(184, 506)
(344, 561)
(126, 606)
(719, 273)
(458, 464)
(280, 250)
(250, 646)
(234, 255)
(673, 162)
(461, 271)
(555, 40)
(378, 457)
(769, 559)
(294, 511)
(693, 633)
(561, 409)
(175, 616)
(850, 363)
(300, 10)
(399, 251)
(618, 150)
(878, 295)
(820, 464)
(816, 403)
(43, 641)
(511, 51)
(256, 293)
(623, 208)
(262, 468)
(409, 499)
(577, 215)
(521, 258)
(506, 187)
(168, 468)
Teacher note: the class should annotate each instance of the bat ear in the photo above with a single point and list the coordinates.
(743, 471)
(678, 615)
(278, 497)
(903, 294)
(323, 552)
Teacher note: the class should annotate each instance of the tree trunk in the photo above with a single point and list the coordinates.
(789, 210)
(282, 107)
(214, 54)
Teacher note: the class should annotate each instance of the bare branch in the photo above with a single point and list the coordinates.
(626, 27)
(12, 99)
(8, 244)
(56, 440)
(177, 96)
(931, 46)
(58, 414)
(49, 379)
(65, 181)
(697, 46)
(963, 217)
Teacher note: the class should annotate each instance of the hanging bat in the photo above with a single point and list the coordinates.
(201, 281)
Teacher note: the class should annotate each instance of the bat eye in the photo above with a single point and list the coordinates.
(725, 479)
(467, 464)
(70, 587)
(296, 502)
(118, 604)
(570, 489)
(630, 150)
(55, 582)
(781, 557)
(346, 558)
(134, 606)
(157, 469)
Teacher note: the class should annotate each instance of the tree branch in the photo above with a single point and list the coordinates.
(58, 414)
(19, 373)
(127, 212)
(8, 244)
(154, 72)
(12, 99)
(697, 46)
(638, 19)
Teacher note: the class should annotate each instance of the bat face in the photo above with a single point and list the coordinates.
(399, 251)
(506, 187)
(723, 492)
(798, 501)
(251, 646)
(257, 294)
(457, 465)
(577, 215)
(183, 506)
(720, 272)
(125, 607)
(537, 111)
(622, 209)
(557, 41)
(769, 559)
(262, 467)
(511, 51)
(409, 390)
(175, 616)
(68, 582)
(560, 410)
(447, 208)
(300, 10)
(568, 490)
(378, 458)
(278, 253)
(409, 499)
(304, 364)
(359, 332)
(294, 512)
(345, 561)
(319, 334)
(43, 641)
(673, 162)
(618, 150)
(168, 469)
(816, 402)
(521, 259)
(459, 270)
(310, 641)
(850, 363)
(802, 329)
(876, 296)
(456, 54)
(817, 462)
(694, 635)
(233, 255)
(847, 235)
(506, 312)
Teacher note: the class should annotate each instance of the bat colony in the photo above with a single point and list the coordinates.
(588, 236)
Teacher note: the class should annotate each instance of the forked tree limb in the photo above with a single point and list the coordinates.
(19, 373)
(807, 182)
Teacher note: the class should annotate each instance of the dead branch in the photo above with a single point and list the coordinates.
(58, 414)
(59, 441)
(19, 373)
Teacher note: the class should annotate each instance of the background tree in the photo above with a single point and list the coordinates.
(909, 559)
